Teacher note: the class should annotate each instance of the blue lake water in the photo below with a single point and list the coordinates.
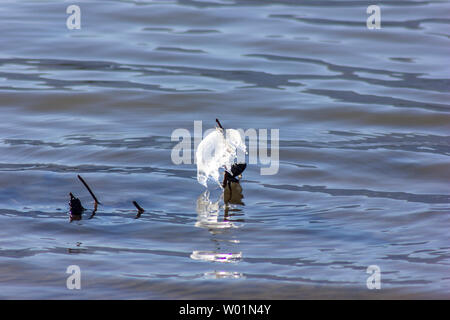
(364, 149)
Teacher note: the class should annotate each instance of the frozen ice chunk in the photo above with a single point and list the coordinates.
(217, 151)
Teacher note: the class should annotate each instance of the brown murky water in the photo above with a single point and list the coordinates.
(364, 149)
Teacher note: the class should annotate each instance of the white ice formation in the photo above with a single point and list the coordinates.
(218, 150)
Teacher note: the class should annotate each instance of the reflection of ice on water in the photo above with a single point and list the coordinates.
(223, 275)
(208, 215)
(216, 256)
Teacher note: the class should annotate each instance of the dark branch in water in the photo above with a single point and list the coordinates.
(220, 125)
(139, 208)
(76, 208)
(96, 202)
(89, 189)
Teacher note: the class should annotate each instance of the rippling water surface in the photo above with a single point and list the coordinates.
(364, 149)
